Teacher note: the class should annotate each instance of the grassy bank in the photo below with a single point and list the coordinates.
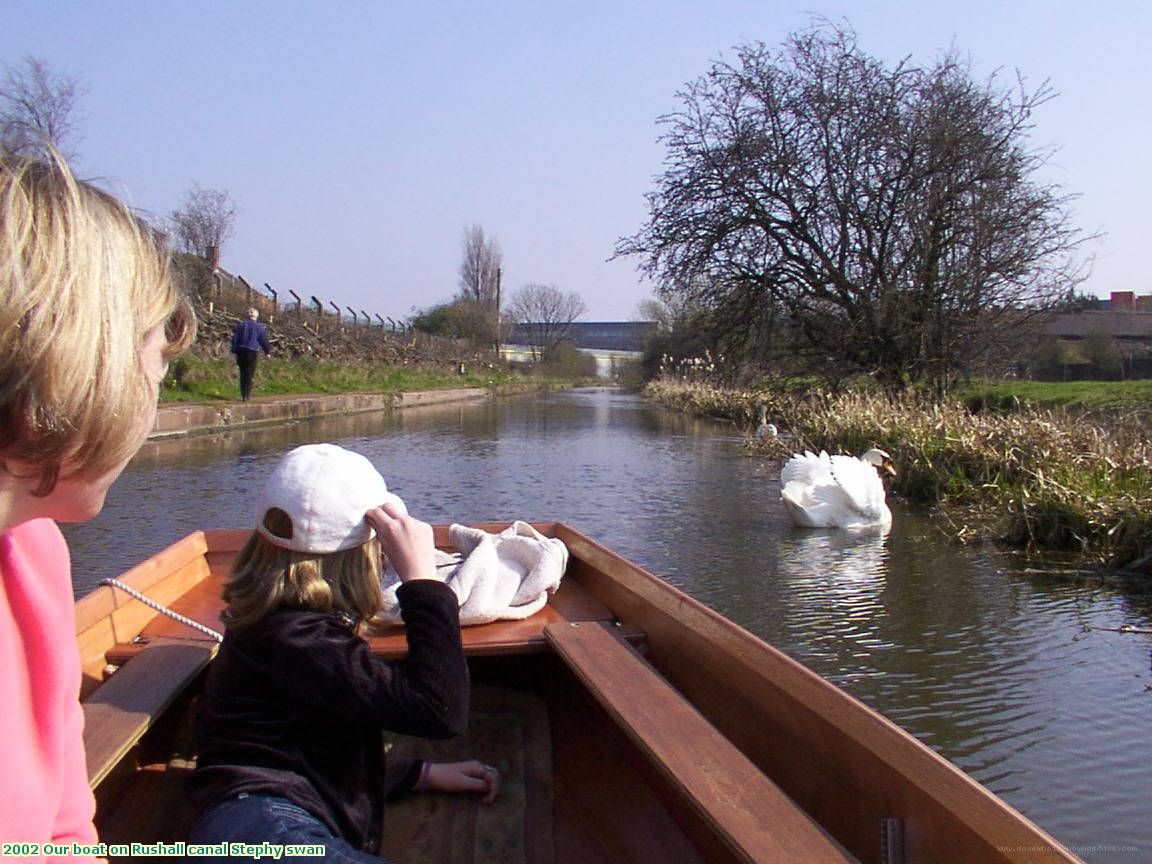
(196, 379)
(1041, 477)
(1072, 396)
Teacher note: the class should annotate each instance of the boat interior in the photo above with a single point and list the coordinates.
(629, 723)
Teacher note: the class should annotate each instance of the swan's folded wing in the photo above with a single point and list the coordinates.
(861, 484)
(801, 506)
(809, 470)
(830, 506)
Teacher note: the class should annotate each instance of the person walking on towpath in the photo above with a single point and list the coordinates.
(249, 338)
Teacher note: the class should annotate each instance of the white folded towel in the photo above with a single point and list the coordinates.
(496, 576)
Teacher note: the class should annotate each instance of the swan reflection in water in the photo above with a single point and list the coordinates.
(837, 578)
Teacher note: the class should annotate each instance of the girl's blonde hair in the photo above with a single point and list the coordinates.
(82, 282)
(266, 576)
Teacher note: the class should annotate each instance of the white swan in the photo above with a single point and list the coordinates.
(764, 429)
(836, 491)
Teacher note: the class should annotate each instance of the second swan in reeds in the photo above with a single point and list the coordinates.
(822, 491)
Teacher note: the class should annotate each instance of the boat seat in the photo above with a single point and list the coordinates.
(118, 713)
(571, 602)
(745, 816)
(203, 603)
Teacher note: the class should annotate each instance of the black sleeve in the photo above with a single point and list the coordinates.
(401, 776)
(332, 670)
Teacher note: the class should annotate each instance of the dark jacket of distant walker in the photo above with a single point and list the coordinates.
(250, 336)
(295, 704)
(247, 341)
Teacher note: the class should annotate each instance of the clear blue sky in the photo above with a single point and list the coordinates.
(360, 138)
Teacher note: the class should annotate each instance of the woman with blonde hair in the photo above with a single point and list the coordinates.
(88, 320)
(295, 703)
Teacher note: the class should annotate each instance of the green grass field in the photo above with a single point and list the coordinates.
(1004, 395)
(195, 379)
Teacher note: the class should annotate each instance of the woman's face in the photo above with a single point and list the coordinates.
(77, 499)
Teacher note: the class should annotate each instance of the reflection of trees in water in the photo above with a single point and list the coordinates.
(673, 422)
(1135, 593)
(210, 448)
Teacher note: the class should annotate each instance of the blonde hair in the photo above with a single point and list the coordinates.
(266, 576)
(82, 282)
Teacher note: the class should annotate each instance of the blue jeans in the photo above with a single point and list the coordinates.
(256, 819)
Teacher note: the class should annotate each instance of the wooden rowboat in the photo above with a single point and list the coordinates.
(633, 724)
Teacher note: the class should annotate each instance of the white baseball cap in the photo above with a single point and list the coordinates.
(325, 490)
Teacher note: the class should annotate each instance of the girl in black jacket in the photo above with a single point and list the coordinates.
(295, 703)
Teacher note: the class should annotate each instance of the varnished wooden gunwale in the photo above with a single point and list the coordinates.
(749, 815)
(108, 616)
(845, 765)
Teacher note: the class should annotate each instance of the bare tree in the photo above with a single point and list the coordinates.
(204, 222)
(666, 312)
(480, 267)
(884, 220)
(38, 110)
(548, 314)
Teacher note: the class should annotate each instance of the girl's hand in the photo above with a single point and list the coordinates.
(470, 776)
(407, 542)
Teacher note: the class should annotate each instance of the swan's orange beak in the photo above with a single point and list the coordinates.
(889, 467)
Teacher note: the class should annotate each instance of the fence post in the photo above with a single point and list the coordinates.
(247, 290)
(275, 297)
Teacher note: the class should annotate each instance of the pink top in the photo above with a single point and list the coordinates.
(44, 794)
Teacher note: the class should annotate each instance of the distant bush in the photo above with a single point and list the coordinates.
(563, 360)
(460, 319)
(630, 374)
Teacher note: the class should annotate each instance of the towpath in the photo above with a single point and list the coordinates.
(179, 418)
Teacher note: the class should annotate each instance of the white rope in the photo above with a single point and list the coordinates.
(162, 609)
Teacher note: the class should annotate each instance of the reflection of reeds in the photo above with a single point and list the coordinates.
(1057, 481)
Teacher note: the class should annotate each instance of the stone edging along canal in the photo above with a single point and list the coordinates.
(175, 419)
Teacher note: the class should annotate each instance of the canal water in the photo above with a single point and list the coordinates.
(1000, 668)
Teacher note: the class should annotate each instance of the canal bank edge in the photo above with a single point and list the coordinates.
(175, 420)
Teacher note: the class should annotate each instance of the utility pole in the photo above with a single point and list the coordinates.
(499, 274)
